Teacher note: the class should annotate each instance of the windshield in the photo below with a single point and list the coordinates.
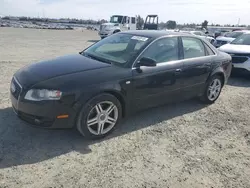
(242, 40)
(233, 34)
(117, 49)
(116, 19)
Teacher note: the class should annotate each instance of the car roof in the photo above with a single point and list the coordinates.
(155, 33)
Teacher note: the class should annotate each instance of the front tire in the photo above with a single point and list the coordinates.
(213, 90)
(99, 116)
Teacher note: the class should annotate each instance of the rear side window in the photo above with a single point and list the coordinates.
(133, 20)
(193, 48)
(209, 50)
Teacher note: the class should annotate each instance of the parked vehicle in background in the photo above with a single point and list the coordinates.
(227, 38)
(119, 75)
(117, 24)
(239, 49)
(219, 33)
(201, 35)
(151, 22)
(204, 36)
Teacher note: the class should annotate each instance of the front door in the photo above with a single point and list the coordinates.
(125, 23)
(157, 85)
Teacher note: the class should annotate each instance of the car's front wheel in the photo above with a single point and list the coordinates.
(99, 116)
(213, 89)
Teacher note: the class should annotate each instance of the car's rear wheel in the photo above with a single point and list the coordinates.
(99, 116)
(213, 89)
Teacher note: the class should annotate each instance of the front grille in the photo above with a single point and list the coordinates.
(237, 59)
(240, 58)
(17, 88)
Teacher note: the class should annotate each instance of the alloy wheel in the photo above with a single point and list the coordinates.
(102, 118)
(214, 89)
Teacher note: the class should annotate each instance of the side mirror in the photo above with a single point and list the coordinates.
(147, 62)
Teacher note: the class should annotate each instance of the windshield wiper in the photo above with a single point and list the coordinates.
(97, 58)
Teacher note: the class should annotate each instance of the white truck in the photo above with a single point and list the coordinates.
(117, 23)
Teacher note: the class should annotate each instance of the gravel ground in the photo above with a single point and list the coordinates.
(180, 145)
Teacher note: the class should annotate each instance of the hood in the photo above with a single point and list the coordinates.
(228, 39)
(232, 48)
(108, 24)
(41, 71)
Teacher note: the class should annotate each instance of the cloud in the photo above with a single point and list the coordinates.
(183, 11)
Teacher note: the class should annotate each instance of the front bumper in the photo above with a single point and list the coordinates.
(104, 34)
(44, 114)
(243, 66)
(240, 72)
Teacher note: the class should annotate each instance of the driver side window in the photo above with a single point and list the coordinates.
(163, 50)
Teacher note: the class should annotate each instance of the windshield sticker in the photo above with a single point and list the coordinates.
(140, 38)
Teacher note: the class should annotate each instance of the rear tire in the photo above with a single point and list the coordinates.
(212, 90)
(99, 116)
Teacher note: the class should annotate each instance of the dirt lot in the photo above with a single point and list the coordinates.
(182, 145)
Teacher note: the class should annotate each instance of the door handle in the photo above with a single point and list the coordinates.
(178, 71)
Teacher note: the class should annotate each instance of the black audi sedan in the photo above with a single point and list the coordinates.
(117, 76)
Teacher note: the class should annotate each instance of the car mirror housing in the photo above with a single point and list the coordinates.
(147, 62)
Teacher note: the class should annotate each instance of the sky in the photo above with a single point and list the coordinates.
(182, 11)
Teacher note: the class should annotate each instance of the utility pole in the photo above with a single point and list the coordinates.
(43, 14)
(238, 21)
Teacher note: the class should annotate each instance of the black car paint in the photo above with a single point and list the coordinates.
(45, 70)
(80, 78)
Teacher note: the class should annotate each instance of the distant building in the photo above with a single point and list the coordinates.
(64, 20)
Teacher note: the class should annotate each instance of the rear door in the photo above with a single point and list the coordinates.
(197, 64)
(160, 84)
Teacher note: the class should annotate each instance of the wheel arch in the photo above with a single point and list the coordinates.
(84, 99)
(218, 71)
(120, 97)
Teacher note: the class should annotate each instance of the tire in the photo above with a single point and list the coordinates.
(206, 97)
(101, 121)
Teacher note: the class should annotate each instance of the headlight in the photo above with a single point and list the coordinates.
(43, 94)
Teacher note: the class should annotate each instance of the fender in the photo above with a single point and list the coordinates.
(94, 90)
